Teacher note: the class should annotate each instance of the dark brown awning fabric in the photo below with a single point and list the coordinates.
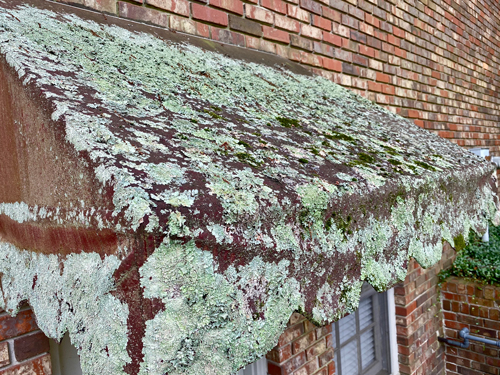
(170, 202)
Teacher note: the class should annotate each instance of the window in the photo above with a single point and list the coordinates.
(65, 359)
(257, 368)
(361, 339)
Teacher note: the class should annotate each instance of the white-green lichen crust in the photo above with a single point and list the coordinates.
(21, 213)
(70, 295)
(212, 323)
(155, 86)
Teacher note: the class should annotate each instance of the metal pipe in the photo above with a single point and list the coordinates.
(464, 333)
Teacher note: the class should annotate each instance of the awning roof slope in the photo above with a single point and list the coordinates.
(266, 191)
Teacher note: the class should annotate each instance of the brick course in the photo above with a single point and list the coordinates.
(467, 304)
(29, 346)
(37, 366)
(22, 323)
(303, 349)
(143, 14)
(23, 347)
(4, 354)
(418, 318)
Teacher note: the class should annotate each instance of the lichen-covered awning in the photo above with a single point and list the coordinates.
(170, 206)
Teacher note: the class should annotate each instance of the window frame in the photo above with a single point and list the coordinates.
(380, 325)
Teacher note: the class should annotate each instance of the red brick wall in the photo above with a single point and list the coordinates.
(23, 347)
(475, 306)
(303, 349)
(434, 61)
(419, 320)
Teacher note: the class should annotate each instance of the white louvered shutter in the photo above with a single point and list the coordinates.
(349, 354)
(257, 368)
(367, 339)
(359, 340)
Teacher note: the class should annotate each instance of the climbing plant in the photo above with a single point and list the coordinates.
(478, 260)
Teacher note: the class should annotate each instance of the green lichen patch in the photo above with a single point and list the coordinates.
(70, 296)
(394, 162)
(245, 157)
(213, 114)
(336, 136)
(243, 143)
(390, 150)
(212, 323)
(366, 158)
(315, 151)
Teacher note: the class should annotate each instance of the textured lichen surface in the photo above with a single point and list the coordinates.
(213, 323)
(74, 298)
(274, 191)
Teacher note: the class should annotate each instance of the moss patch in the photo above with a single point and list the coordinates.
(339, 136)
(459, 242)
(288, 122)
(424, 165)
